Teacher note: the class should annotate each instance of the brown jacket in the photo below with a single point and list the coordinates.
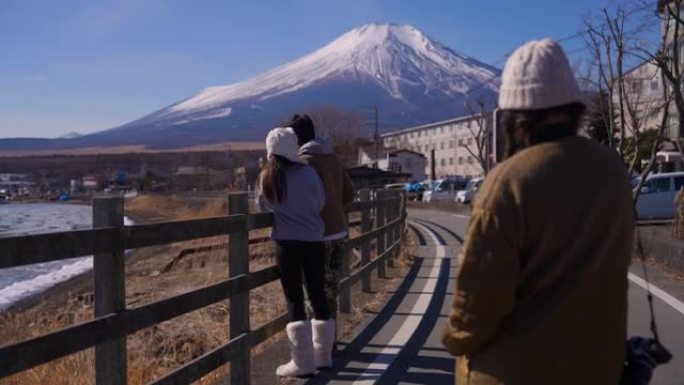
(339, 191)
(541, 293)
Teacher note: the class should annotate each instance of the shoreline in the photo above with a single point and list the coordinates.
(61, 290)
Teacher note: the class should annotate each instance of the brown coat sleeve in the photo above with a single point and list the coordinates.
(487, 278)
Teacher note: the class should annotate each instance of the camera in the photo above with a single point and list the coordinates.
(643, 355)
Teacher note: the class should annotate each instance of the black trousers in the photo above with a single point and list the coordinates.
(300, 261)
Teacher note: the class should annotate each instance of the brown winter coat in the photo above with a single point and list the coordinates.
(339, 191)
(541, 293)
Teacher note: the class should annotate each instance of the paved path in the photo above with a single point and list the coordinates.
(401, 345)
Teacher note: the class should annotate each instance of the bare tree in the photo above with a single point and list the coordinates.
(612, 45)
(479, 130)
(668, 57)
(601, 47)
(335, 124)
(656, 143)
(342, 128)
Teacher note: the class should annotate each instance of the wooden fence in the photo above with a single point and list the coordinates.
(382, 220)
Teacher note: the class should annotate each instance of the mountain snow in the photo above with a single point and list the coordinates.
(389, 55)
(71, 135)
(409, 77)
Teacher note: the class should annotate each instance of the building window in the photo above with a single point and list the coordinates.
(443, 162)
(420, 133)
(470, 160)
(451, 161)
(470, 141)
(460, 142)
(636, 86)
(460, 160)
(412, 135)
(441, 130)
(451, 144)
(468, 123)
(441, 146)
(654, 85)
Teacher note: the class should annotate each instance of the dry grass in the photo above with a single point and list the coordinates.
(156, 273)
(174, 207)
(154, 351)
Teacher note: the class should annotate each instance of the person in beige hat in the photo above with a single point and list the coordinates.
(541, 292)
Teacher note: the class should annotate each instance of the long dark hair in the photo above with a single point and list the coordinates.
(525, 128)
(272, 181)
(303, 126)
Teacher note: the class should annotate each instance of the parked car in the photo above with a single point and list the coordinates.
(414, 191)
(657, 197)
(468, 193)
(444, 190)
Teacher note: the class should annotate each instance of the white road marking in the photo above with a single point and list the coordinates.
(461, 216)
(658, 292)
(441, 250)
(409, 324)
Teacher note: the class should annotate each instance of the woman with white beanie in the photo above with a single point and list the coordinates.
(541, 292)
(294, 193)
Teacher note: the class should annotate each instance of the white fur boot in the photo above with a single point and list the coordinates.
(302, 363)
(323, 340)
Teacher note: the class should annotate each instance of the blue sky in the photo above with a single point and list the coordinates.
(88, 65)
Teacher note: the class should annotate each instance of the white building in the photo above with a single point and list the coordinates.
(451, 141)
(644, 93)
(398, 161)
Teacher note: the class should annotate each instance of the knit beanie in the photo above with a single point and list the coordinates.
(538, 76)
(283, 141)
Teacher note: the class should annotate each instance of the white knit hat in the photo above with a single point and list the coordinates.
(538, 76)
(283, 141)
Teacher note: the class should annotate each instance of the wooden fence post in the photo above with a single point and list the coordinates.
(396, 210)
(398, 228)
(366, 226)
(380, 220)
(109, 285)
(402, 213)
(345, 271)
(238, 264)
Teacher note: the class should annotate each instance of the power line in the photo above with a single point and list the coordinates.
(508, 54)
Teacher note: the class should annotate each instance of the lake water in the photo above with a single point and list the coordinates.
(18, 219)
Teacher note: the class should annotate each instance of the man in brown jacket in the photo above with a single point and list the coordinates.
(339, 193)
(541, 293)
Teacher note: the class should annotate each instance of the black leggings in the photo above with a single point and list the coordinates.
(293, 259)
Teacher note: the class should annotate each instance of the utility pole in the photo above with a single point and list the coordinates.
(432, 164)
(377, 138)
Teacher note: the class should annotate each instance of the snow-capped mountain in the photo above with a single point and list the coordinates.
(411, 78)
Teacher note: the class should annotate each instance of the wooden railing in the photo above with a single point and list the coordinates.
(382, 221)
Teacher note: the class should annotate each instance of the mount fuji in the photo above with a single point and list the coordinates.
(411, 78)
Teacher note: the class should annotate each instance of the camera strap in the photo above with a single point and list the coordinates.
(642, 257)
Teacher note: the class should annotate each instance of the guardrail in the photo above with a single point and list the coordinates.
(382, 220)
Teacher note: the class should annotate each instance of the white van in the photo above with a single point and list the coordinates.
(468, 193)
(656, 200)
(444, 190)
